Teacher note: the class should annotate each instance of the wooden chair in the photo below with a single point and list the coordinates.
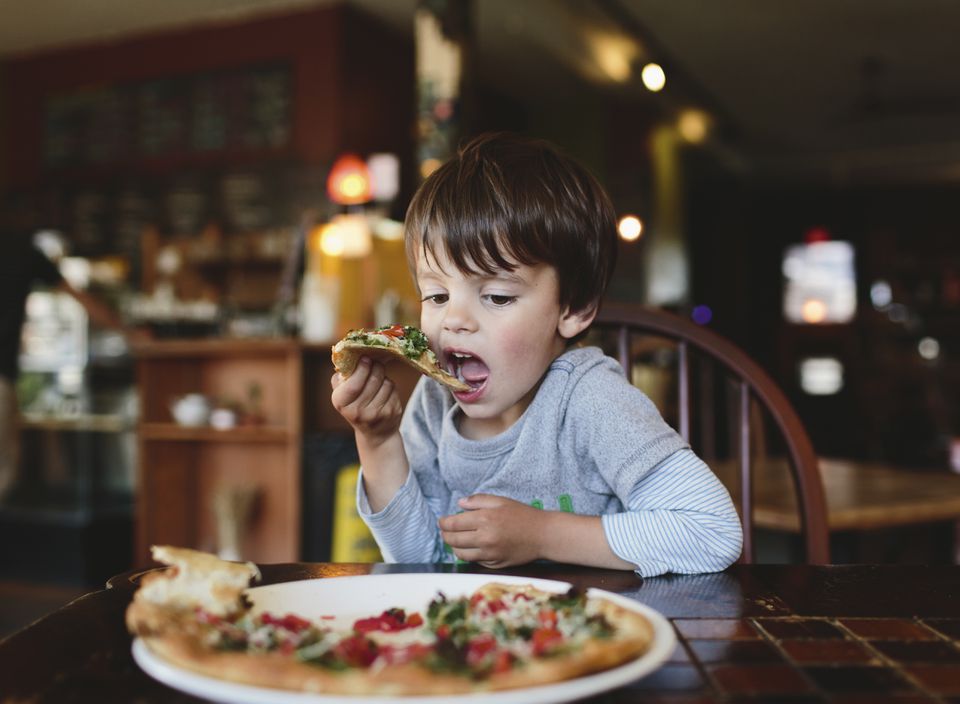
(635, 335)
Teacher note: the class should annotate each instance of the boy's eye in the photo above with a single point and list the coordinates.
(499, 300)
(438, 298)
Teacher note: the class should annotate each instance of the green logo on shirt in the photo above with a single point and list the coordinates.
(564, 501)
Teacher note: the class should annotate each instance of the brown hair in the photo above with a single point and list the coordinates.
(505, 199)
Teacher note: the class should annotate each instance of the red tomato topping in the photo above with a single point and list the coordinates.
(357, 651)
(390, 620)
(290, 622)
(492, 606)
(207, 617)
(479, 647)
(503, 662)
(496, 605)
(546, 639)
(548, 617)
(393, 331)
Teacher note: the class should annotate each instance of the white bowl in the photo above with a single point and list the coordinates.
(191, 410)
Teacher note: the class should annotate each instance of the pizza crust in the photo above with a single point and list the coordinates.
(346, 354)
(192, 580)
(279, 671)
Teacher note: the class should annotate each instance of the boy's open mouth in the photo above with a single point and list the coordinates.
(467, 368)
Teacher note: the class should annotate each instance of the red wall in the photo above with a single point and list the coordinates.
(316, 43)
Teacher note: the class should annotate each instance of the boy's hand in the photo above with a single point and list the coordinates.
(494, 531)
(368, 401)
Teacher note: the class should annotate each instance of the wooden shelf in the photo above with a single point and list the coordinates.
(87, 422)
(179, 433)
(183, 470)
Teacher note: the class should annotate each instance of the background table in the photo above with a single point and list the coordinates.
(753, 633)
(860, 495)
(862, 498)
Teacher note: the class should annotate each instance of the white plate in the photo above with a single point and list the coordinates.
(350, 598)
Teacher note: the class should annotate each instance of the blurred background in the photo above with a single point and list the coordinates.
(787, 173)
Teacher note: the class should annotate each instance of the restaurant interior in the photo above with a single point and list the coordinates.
(231, 176)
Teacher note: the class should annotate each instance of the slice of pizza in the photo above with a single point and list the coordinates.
(194, 582)
(403, 342)
(505, 636)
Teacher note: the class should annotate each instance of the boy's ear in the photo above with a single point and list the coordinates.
(574, 322)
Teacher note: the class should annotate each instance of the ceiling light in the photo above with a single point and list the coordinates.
(693, 125)
(653, 77)
(630, 228)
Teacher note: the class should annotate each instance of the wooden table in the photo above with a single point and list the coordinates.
(755, 632)
(860, 495)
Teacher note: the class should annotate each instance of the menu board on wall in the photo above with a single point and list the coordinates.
(237, 109)
(162, 111)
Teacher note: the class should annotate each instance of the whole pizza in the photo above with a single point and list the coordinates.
(194, 615)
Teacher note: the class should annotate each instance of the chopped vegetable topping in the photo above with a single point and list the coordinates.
(412, 340)
(474, 636)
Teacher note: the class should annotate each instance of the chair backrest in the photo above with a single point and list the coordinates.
(625, 331)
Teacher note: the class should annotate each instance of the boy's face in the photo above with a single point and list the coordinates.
(499, 333)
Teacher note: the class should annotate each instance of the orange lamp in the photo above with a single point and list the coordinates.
(349, 181)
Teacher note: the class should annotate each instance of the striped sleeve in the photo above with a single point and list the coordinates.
(679, 518)
(406, 529)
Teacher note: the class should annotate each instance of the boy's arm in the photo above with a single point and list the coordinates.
(679, 519)
(406, 530)
(368, 400)
(388, 497)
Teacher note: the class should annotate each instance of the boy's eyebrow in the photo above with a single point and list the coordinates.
(508, 276)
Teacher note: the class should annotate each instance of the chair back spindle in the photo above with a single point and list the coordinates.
(632, 322)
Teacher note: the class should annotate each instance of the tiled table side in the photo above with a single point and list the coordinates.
(780, 648)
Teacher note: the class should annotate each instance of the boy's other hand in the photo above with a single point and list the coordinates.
(494, 531)
(368, 400)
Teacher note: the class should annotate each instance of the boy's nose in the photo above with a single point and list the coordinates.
(458, 318)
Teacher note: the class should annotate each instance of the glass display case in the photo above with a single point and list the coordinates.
(73, 500)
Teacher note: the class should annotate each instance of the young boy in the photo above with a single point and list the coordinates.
(552, 453)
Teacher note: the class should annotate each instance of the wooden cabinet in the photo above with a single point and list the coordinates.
(182, 469)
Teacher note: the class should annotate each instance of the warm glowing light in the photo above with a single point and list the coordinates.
(816, 234)
(653, 77)
(693, 125)
(331, 240)
(820, 283)
(352, 186)
(428, 166)
(315, 238)
(614, 55)
(349, 181)
(814, 311)
(387, 229)
(347, 236)
(630, 228)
